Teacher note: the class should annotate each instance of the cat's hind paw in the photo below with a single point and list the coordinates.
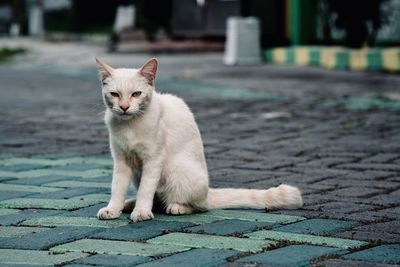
(138, 215)
(177, 209)
(107, 213)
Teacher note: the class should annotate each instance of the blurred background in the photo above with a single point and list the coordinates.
(353, 23)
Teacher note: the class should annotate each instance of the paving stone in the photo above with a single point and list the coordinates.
(317, 226)
(71, 192)
(254, 216)
(16, 256)
(295, 255)
(141, 230)
(196, 257)
(307, 239)
(76, 221)
(27, 188)
(380, 254)
(193, 218)
(13, 231)
(213, 242)
(47, 172)
(111, 260)
(370, 236)
(13, 194)
(228, 227)
(78, 167)
(47, 238)
(66, 204)
(8, 211)
(351, 263)
(118, 247)
(369, 166)
(67, 184)
(357, 191)
(43, 179)
(90, 211)
(23, 215)
(22, 167)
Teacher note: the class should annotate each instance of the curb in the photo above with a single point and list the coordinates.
(376, 59)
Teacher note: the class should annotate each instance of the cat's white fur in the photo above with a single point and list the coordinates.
(156, 142)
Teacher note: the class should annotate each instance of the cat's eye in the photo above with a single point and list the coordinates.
(136, 94)
(114, 94)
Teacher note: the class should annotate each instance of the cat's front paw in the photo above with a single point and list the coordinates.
(138, 215)
(107, 213)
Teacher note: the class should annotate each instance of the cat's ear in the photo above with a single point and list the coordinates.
(105, 70)
(149, 70)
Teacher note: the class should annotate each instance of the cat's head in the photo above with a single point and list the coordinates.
(127, 92)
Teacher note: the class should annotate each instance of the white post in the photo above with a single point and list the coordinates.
(242, 41)
(36, 27)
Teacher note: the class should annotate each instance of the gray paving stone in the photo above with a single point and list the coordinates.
(110, 260)
(26, 215)
(49, 238)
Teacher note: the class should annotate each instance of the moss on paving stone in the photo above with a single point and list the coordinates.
(307, 239)
(118, 247)
(112, 260)
(16, 256)
(213, 242)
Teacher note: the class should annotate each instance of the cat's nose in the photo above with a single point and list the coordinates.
(124, 108)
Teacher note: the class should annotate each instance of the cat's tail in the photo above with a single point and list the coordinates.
(281, 197)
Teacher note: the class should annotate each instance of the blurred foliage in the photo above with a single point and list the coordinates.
(359, 19)
(7, 53)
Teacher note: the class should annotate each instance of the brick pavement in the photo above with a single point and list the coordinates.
(333, 134)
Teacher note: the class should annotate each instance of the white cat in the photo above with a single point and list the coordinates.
(155, 141)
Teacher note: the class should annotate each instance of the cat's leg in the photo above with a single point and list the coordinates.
(129, 205)
(187, 188)
(151, 173)
(121, 180)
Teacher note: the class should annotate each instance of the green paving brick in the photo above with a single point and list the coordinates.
(76, 221)
(58, 204)
(227, 227)
(22, 167)
(380, 254)
(8, 211)
(13, 231)
(315, 56)
(46, 172)
(69, 184)
(112, 260)
(296, 255)
(213, 242)
(307, 239)
(194, 218)
(118, 247)
(196, 257)
(141, 230)
(254, 216)
(26, 188)
(57, 162)
(16, 256)
(317, 226)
